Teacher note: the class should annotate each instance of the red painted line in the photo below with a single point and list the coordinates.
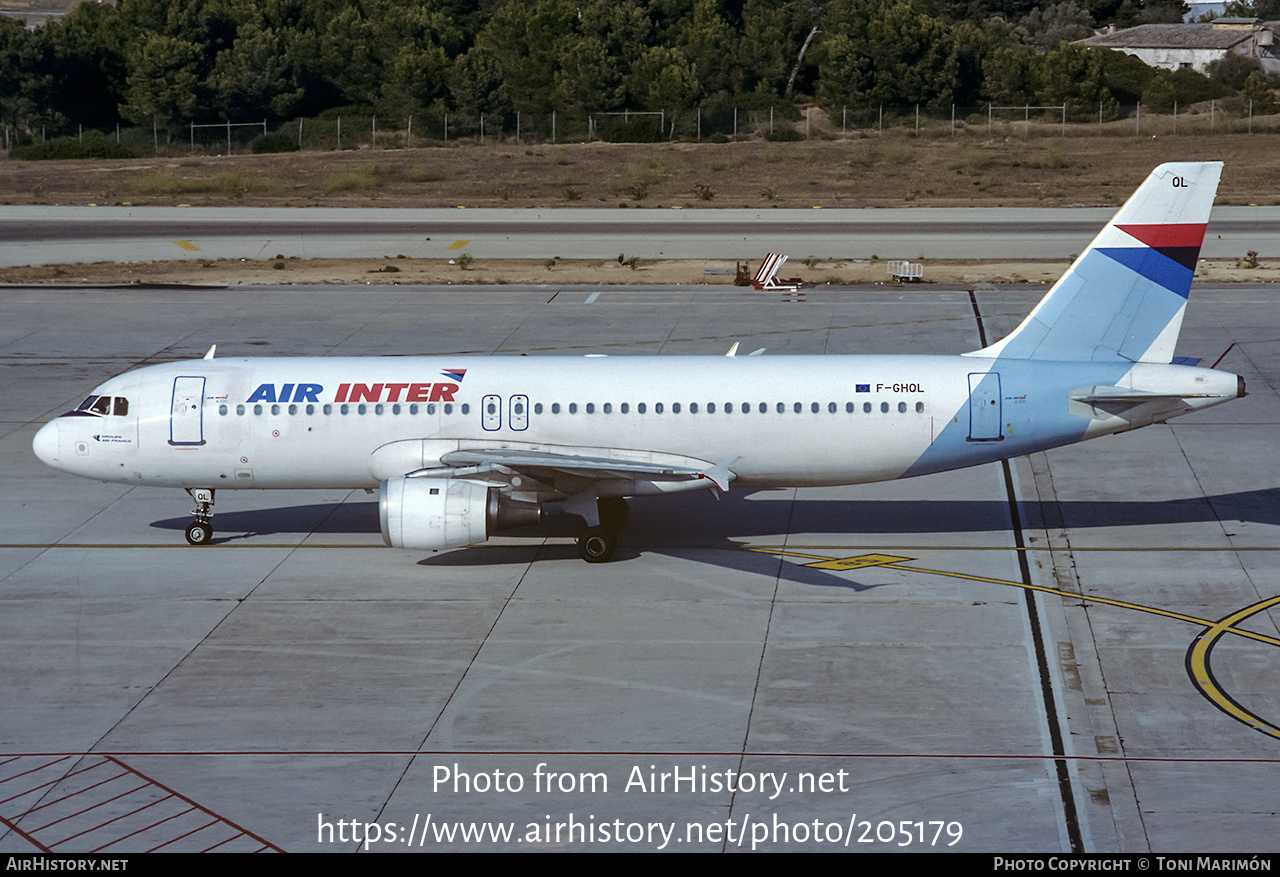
(117, 819)
(34, 769)
(144, 828)
(220, 843)
(90, 807)
(73, 794)
(263, 841)
(181, 836)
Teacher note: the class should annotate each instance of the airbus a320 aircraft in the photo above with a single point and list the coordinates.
(461, 447)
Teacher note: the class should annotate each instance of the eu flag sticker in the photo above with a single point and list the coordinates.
(862, 388)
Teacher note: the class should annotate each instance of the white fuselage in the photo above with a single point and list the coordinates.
(780, 420)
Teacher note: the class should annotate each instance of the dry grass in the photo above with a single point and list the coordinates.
(967, 170)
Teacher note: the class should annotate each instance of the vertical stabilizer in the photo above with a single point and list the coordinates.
(1124, 298)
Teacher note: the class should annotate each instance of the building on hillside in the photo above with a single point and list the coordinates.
(1193, 46)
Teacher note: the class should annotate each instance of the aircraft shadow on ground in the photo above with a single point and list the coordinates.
(697, 525)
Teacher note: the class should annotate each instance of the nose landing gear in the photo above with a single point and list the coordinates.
(200, 531)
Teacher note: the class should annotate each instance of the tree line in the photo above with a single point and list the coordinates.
(167, 63)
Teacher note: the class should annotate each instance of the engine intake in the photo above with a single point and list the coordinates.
(428, 514)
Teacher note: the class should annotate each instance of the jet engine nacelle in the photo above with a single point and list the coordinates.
(427, 514)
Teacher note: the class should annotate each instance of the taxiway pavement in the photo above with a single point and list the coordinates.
(911, 661)
(41, 235)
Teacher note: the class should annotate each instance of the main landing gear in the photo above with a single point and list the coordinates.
(597, 544)
(200, 531)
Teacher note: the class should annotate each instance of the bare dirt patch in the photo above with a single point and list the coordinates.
(565, 272)
(894, 171)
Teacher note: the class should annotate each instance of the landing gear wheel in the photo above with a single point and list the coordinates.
(200, 533)
(613, 512)
(597, 544)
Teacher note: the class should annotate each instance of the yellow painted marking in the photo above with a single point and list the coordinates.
(457, 245)
(863, 560)
(187, 245)
(1197, 659)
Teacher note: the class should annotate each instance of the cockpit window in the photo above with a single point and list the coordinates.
(117, 405)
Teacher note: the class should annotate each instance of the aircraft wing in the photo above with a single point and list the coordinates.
(539, 463)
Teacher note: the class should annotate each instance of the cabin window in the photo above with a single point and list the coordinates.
(675, 407)
(711, 408)
(919, 408)
(657, 407)
(448, 408)
(640, 408)
(344, 409)
(866, 407)
(537, 408)
(328, 409)
(466, 408)
(573, 407)
(884, 407)
(607, 408)
(257, 409)
(591, 408)
(122, 406)
(240, 411)
(693, 407)
(831, 408)
(311, 409)
(222, 409)
(902, 407)
(293, 409)
(624, 408)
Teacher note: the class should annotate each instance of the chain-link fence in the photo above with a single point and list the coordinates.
(719, 124)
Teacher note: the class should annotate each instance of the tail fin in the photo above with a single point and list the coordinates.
(1123, 299)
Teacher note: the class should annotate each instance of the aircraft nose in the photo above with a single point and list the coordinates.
(45, 444)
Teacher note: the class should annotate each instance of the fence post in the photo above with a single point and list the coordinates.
(193, 136)
(1175, 117)
(1137, 119)
(408, 134)
(228, 136)
(339, 133)
(953, 120)
(699, 123)
(299, 133)
(482, 129)
(373, 128)
(1211, 115)
(517, 127)
(553, 127)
